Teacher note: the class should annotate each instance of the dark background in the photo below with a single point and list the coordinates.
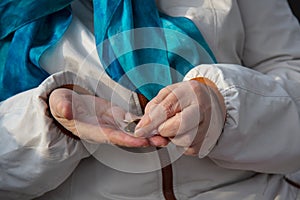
(295, 6)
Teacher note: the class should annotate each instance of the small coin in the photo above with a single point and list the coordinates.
(130, 128)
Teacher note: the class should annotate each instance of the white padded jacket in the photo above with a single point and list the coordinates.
(257, 45)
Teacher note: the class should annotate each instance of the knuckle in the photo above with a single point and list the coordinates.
(187, 141)
(154, 101)
(184, 141)
(149, 106)
(162, 93)
(166, 133)
(191, 151)
(166, 89)
(168, 109)
(177, 125)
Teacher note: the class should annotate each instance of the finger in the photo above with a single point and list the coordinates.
(182, 122)
(86, 126)
(159, 113)
(192, 151)
(67, 104)
(107, 134)
(122, 139)
(90, 130)
(187, 139)
(114, 116)
(60, 102)
(101, 109)
(101, 105)
(131, 117)
(162, 94)
(179, 96)
(158, 141)
(179, 90)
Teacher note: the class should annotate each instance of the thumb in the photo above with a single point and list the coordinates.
(60, 102)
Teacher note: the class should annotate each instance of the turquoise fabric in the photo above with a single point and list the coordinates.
(27, 29)
(143, 49)
(154, 50)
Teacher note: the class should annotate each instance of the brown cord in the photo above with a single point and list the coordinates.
(166, 170)
(289, 181)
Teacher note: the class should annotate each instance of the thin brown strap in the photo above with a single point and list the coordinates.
(167, 173)
(289, 181)
(143, 101)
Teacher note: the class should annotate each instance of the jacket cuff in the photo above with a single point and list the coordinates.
(48, 157)
(217, 117)
(216, 91)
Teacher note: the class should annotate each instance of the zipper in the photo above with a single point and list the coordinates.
(165, 162)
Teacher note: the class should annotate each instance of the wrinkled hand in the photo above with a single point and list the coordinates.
(182, 112)
(94, 119)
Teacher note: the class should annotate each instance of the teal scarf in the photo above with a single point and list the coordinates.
(139, 47)
(27, 29)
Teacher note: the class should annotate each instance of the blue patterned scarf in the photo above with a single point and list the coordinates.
(141, 48)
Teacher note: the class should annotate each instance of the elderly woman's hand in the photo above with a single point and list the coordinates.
(94, 119)
(182, 112)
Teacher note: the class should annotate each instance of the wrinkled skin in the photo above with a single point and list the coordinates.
(180, 113)
(95, 119)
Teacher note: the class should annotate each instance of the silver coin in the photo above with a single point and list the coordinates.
(130, 127)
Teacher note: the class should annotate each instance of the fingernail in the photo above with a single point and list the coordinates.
(139, 133)
(143, 122)
(154, 132)
(142, 133)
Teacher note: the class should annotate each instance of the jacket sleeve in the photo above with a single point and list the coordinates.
(35, 156)
(262, 97)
